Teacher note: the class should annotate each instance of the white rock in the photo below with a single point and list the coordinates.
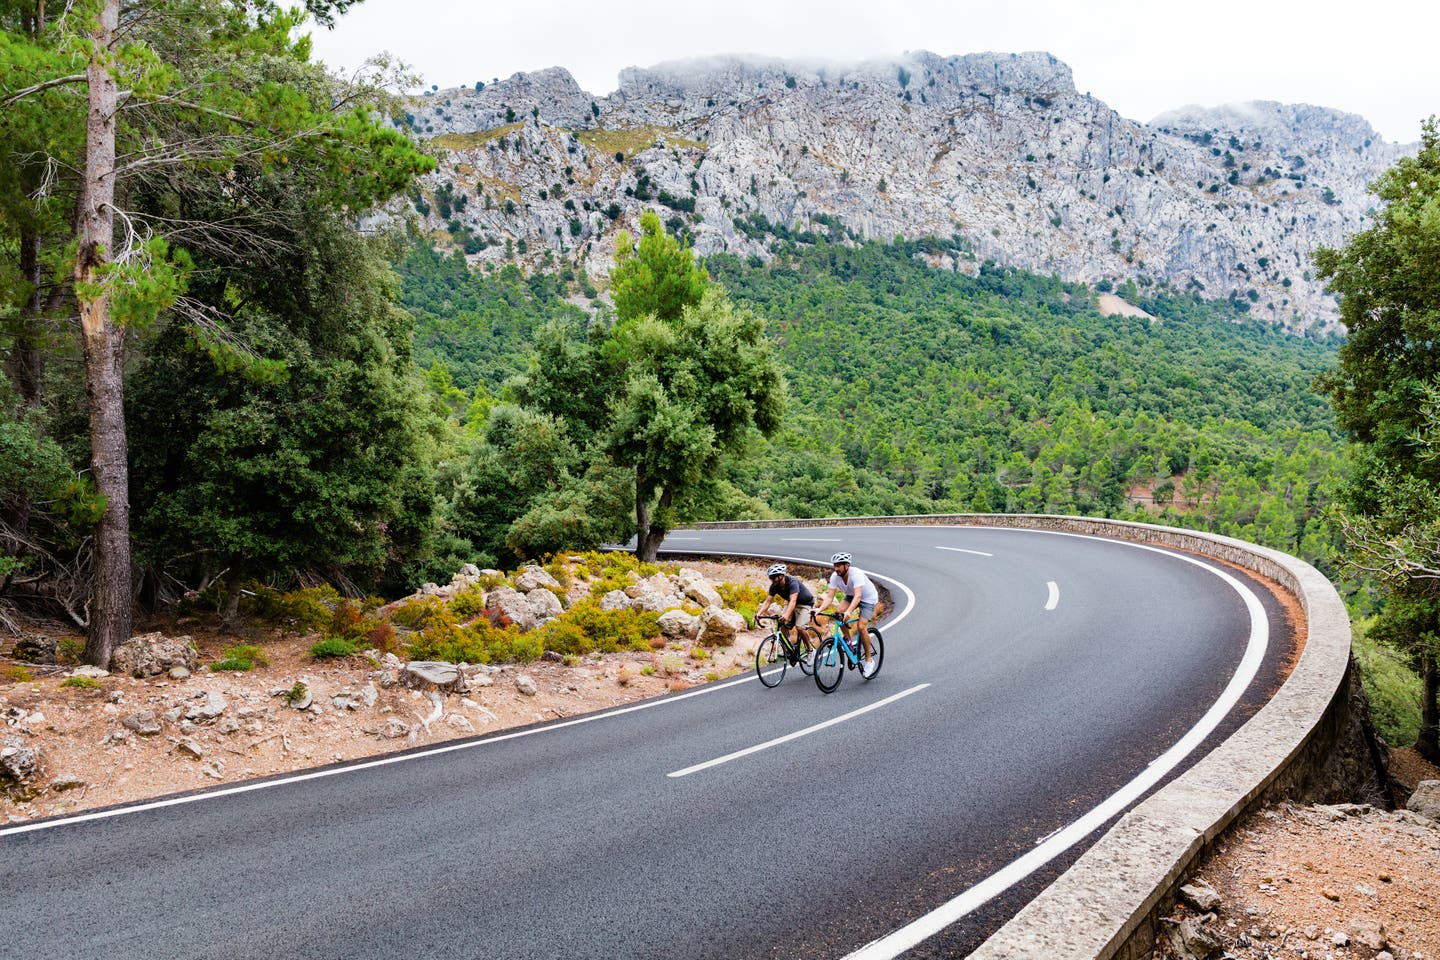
(545, 604)
(719, 627)
(679, 625)
(694, 585)
(615, 600)
(458, 722)
(532, 577)
(214, 705)
(1426, 799)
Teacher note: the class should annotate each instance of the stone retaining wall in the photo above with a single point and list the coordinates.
(1106, 904)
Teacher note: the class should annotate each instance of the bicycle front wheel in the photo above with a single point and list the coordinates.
(829, 666)
(770, 661)
(877, 650)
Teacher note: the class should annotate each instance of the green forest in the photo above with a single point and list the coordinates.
(917, 390)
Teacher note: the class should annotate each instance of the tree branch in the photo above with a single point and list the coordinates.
(39, 87)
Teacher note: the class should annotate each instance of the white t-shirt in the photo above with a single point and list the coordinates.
(857, 583)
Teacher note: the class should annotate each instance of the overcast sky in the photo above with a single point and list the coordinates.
(1142, 57)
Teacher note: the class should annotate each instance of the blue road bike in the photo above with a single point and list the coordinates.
(838, 654)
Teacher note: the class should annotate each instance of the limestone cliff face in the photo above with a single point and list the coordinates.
(997, 150)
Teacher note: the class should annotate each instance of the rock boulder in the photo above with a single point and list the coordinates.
(545, 604)
(719, 627)
(151, 654)
(1426, 799)
(17, 761)
(35, 648)
(433, 675)
(514, 605)
(532, 577)
(694, 585)
(678, 625)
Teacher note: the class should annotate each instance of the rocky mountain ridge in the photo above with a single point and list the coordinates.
(996, 155)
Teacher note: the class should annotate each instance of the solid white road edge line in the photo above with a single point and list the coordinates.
(451, 748)
(796, 735)
(1054, 600)
(368, 764)
(978, 553)
(895, 943)
(811, 540)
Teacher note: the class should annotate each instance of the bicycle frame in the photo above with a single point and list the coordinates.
(796, 648)
(850, 648)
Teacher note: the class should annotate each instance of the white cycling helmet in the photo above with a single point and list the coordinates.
(776, 569)
(840, 558)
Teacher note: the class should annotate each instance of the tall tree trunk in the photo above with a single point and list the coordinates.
(111, 596)
(1427, 744)
(645, 545)
(230, 607)
(648, 532)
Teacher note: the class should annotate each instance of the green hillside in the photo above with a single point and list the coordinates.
(918, 390)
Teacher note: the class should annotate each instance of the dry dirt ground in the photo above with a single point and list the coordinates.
(1293, 882)
(1325, 882)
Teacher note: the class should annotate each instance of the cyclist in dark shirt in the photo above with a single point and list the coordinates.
(795, 598)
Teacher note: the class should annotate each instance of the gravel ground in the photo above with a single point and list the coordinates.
(1311, 882)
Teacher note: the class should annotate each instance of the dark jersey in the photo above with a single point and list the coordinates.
(789, 585)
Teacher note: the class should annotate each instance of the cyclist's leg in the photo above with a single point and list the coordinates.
(800, 631)
(866, 611)
(844, 626)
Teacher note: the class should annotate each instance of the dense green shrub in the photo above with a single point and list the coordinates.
(423, 613)
(332, 647)
(241, 657)
(743, 598)
(299, 611)
(585, 628)
(468, 603)
(478, 643)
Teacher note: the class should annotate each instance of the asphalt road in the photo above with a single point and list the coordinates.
(1033, 676)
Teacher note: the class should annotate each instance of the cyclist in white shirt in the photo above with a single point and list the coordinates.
(860, 597)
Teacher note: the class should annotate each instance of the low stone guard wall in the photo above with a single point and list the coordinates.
(1105, 905)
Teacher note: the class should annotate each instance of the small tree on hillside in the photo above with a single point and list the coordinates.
(676, 385)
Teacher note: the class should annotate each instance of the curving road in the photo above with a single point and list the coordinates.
(1034, 676)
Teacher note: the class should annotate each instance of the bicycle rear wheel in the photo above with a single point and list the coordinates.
(877, 650)
(770, 661)
(807, 666)
(829, 666)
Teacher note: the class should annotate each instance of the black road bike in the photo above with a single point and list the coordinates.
(776, 653)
